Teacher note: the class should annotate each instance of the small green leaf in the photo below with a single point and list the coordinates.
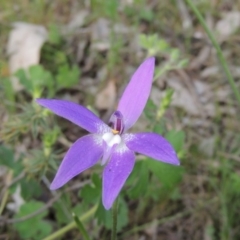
(24, 80)
(141, 174)
(35, 79)
(159, 127)
(40, 77)
(153, 44)
(176, 138)
(9, 93)
(6, 157)
(89, 194)
(122, 214)
(60, 208)
(105, 217)
(32, 228)
(80, 208)
(44, 228)
(67, 77)
(59, 213)
(162, 45)
(97, 181)
(146, 14)
(150, 110)
(30, 188)
(168, 175)
(54, 35)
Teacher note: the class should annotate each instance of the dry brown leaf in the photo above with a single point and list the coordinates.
(106, 98)
(17, 202)
(23, 48)
(229, 24)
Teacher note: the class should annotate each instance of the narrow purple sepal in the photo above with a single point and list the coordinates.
(152, 145)
(136, 93)
(75, 113)
(83, 154)
(116, 173)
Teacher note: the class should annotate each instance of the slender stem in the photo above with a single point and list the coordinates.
(81, 227)
(71, 225)
(40, 210)
(114, 220)
(33, 214)
(4, 201)
(6, 192)
(218, 49)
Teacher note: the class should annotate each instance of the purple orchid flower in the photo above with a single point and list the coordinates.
(111, 143)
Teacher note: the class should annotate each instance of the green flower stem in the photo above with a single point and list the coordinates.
(114, 220)
(71, 225)
(81, 227)
(218, 49)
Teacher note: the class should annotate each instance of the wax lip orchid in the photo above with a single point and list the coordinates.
(111, 143)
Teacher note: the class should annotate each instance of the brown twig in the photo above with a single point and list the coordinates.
(46, 206)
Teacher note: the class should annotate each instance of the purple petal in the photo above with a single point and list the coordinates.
(116, 173)
(136, 93)
(83, 154)
(76, 114)
(152, 145)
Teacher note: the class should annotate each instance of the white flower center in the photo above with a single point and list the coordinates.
(111, 139)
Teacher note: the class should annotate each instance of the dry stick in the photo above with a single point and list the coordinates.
(46, 206)
(40, 210)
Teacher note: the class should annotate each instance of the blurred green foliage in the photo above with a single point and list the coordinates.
(37, 79)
